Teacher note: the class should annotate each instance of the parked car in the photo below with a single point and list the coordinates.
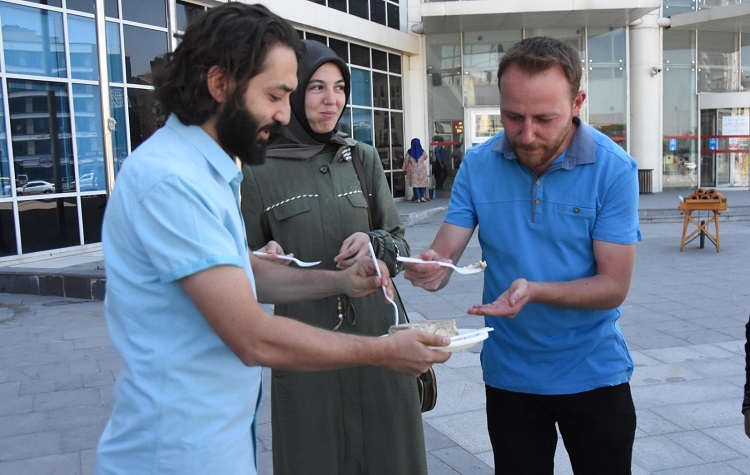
(36, 186)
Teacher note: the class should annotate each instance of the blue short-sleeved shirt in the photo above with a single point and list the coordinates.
(542, 229)
(183, 402)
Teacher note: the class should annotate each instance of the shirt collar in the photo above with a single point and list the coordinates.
(579, 152)
(220, 160)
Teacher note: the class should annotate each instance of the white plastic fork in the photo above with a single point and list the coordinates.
(289, 258)
(377, 269)
(460, 270)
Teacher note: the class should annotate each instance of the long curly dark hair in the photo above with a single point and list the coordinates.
(235, 37)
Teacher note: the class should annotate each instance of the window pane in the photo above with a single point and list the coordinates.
(84, 63)
(110, 9)
(394, 63)
(143, 121)
(345, 122)
(114, 52)
(314, 37)
(377, 11)
(92, 212)
(120, 134)
(360, 55)
(52, 3)
(359, 8)
(745, 67)
(6, 184)
(396, 92)
(150, 12)
(337, 4)
(361, 87)
(393, 16)
(717, 62)
(142, 46)
(37, 109)
(607, 83)
(88, 119)
(383, 138)
(341, 48)
(8, 246)
(362, 119)
(48, 224)
(86, 6)
(380, 90)
(187, 13)
(33, 41)
(379, 60)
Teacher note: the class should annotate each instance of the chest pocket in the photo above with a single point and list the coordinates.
(575, 217)
(290, 209)
(357, 199)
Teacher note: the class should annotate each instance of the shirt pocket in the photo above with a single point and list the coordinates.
(575, 219)
(357, 200)
(290, 209)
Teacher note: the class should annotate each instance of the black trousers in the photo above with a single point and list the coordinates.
(597, 428)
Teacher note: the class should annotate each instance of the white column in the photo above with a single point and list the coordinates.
(645, 135)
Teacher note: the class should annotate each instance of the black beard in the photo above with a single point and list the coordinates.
(237, 131)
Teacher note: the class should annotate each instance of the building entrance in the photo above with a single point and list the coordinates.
(724, 146)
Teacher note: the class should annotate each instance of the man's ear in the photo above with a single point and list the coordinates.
(216, 81)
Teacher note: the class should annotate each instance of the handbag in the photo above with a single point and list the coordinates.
(427, 381)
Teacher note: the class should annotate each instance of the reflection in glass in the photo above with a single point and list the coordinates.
(111, 8)
(8, 246)
(341, 48)
(142, 46)
(397, 139)
(120, 134)
(361, 87)
(379, 60)
(84, 63)
(6, 184)
(144, 117)
(150, 12)
(48, 224)
(114, 52)
(360, 55)
(33, 41)
(680, 120)
(187, 13)
(92, 211)
(90, 147)
(382, 138)
(39, 111)
(86, 6)
(345, 122)
(717, 62)
(362, 120)
(392, 13)
(377, 11)
(380, 90)
(395, 82)
(394, 63)
(359, 9)
(608, 83)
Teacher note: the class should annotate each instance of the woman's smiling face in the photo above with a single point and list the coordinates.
(325, 98)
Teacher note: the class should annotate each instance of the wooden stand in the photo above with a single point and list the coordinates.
(714, 205)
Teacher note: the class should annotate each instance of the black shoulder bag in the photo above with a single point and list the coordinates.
(427, 381)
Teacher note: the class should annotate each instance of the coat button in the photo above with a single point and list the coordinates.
(324, 169)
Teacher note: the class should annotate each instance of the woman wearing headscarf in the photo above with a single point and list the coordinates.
(415, 166)
(307, 200)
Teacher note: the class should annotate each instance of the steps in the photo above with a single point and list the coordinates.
(732, 213)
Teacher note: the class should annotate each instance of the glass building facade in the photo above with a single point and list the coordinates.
(77, 95)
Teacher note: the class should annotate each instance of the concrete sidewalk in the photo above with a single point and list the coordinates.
(683, 319)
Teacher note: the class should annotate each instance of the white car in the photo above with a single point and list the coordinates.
(36, 186)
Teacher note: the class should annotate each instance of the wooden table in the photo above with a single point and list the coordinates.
(714, 205)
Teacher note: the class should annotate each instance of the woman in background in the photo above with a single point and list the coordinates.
(415, 167)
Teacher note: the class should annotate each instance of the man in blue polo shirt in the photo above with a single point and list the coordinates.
(556, 203)
(182, 289)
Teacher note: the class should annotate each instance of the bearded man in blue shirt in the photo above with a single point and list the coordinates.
(183, 292)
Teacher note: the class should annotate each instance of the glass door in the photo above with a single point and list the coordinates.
(724, 144)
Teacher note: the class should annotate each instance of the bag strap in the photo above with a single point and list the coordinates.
(357, 162)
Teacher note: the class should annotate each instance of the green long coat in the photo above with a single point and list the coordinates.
(353, 421)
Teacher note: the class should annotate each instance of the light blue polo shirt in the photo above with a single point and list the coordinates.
(183, 402)
(542, 229)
